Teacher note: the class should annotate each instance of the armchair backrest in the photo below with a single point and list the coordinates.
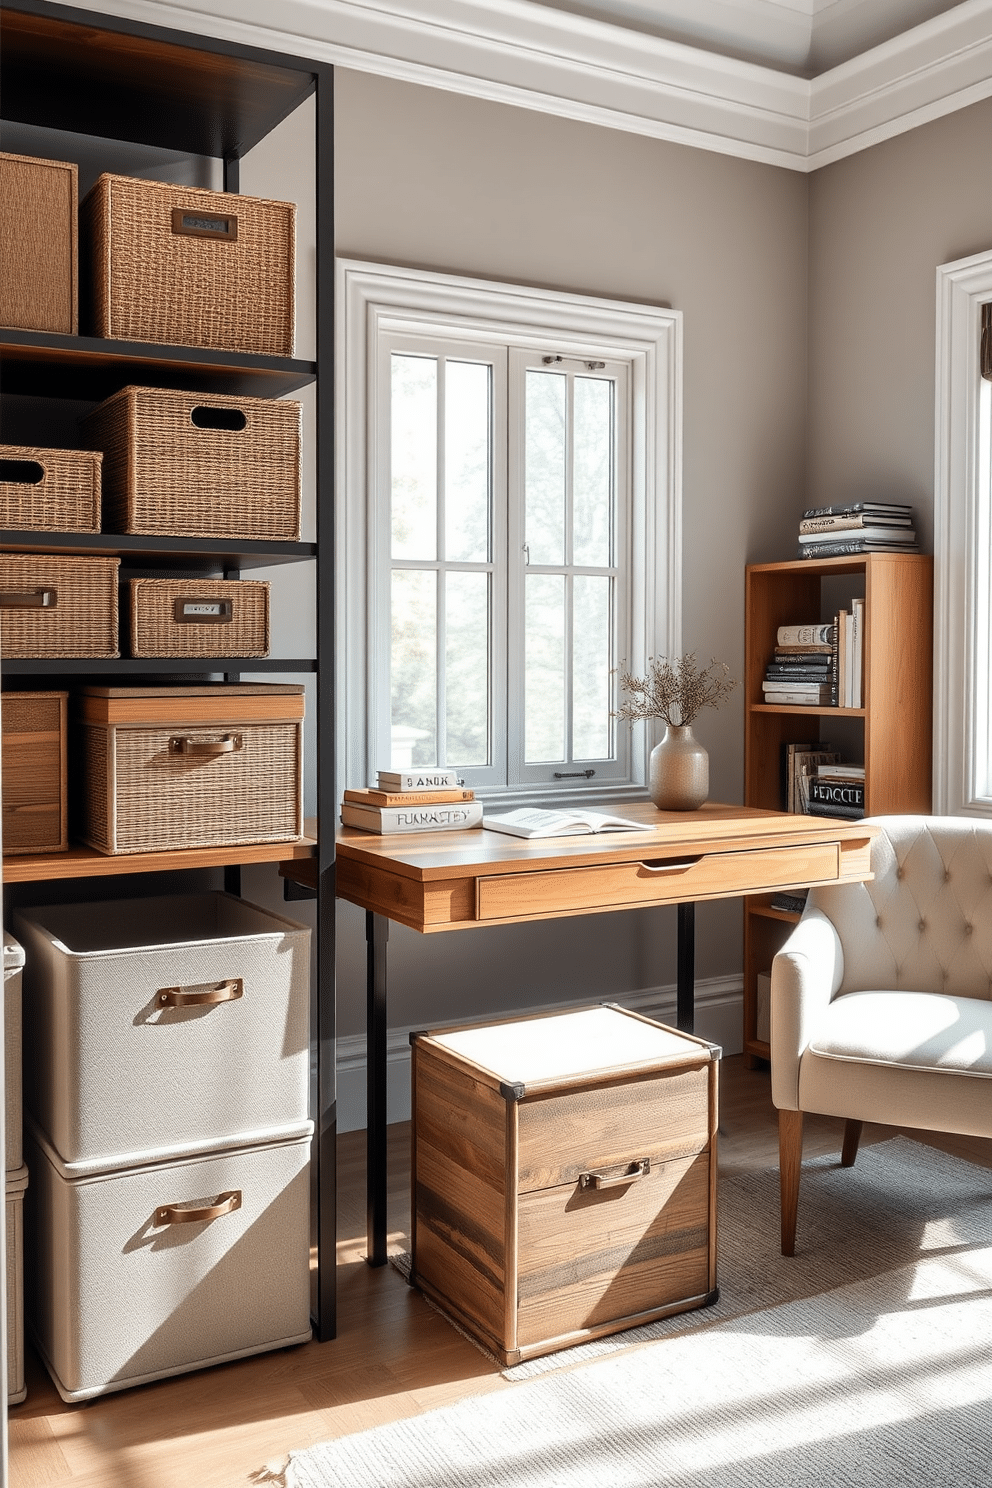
(924, 922)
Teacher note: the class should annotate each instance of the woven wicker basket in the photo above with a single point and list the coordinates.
(58, 606)
(188, 267)
(198, 464)
(198, 617)
(46, 490)
(172, 767)
(38, 258)
(34, 771)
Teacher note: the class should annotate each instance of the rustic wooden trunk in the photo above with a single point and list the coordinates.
(564, 1176)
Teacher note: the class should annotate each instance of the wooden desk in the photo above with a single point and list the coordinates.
(439, 881)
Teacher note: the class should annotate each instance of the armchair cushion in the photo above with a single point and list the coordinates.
(919, 1030)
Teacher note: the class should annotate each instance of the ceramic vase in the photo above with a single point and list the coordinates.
(679, 778)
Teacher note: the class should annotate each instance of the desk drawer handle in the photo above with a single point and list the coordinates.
(635, 1170)
(178, 997)
(225, 1203)
(669, 865)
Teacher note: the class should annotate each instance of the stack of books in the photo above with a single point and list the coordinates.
(802, 670)
(837, 790)
(426, 800)
(800, 763)
(858, 527)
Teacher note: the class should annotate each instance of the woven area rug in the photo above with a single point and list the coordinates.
(879, 1381)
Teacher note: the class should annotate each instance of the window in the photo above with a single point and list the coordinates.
(509, 507)
(963, 544)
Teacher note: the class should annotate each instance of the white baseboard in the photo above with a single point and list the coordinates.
(718, 1018)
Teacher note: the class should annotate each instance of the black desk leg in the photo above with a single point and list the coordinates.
(685, 993)
(377, 1022)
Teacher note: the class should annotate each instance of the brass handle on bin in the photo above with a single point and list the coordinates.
(635, 1170)
(661, 865)
(34, 599)
(228, 745)
(179, 997)
(225, 1203)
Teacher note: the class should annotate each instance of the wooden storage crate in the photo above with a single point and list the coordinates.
(180, 464)
(167, 768)
(34, 771)
(188, 267)
(198, 617)
(38, 257)
(62, 606)
(49, 490)
(564, 1176)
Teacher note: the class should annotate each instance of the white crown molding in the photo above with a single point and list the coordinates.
(532, 56)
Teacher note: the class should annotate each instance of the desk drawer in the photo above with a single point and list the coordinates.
(668, 880)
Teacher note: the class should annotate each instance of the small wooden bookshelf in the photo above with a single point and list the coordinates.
(891, 735)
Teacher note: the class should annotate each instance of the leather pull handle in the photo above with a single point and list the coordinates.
(33, 599)
(222, 227)
(182, 997)
(230, 744)
(225, 1203)
(635, 1170)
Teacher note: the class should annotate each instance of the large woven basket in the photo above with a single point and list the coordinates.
(182, 464)
(34, 771)
(49, 490)
(38, 258)
(58, 606)
(189, 267)
(198, 617)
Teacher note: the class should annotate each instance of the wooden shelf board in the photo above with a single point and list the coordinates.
(757, 1048)
(173, 553)
(150, 666)
(766, 912)
(807, 709)
(85, 862)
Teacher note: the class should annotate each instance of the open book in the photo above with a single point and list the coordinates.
(528, 822)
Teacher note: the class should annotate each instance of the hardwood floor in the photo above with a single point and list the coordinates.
(393, 1357)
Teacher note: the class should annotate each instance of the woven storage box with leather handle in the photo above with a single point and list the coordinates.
(58, 606)
(49, 490)
(198, 464)
(34, 771)
(188, 267)
(198, 617)
(38, 273)
(198, 766)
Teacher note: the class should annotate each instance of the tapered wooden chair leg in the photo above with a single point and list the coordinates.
(852, 1136)
(790, 1159)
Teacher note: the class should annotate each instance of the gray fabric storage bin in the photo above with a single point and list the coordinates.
(119, 1293)
(13, 963)
(112, 1075)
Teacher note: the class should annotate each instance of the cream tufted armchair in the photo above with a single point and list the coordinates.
(881, 998)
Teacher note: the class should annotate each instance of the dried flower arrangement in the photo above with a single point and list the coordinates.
(675, 690)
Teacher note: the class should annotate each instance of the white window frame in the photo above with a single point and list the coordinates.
(962, 522)
(372, 298)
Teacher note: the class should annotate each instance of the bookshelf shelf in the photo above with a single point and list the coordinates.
(890, 735)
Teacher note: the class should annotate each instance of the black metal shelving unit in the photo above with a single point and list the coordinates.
(114, 79)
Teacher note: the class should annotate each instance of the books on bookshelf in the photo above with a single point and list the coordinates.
(857, 527)
(800, 762)
(816, 783)
(819, 665)
(440, 817)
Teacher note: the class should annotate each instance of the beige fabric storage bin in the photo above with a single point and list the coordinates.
(58, 606)
(38, 258)
(124, 1288)
(180, 464)
(49, 490)
(198, 617)
(34, 749)
(189, 267)
(17, 1182)
(163, 1025)
(13, 965)
(197, 766)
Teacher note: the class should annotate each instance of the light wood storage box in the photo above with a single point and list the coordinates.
(16, 1184)
(150, 1023)
(64, 606)
(38, 257)
(13, 963)
(49, 490)
(198, 617)
(564, 1176)
(125, 1288)
(33, 733)
(188, 267)
(197, 766)
(180, 464)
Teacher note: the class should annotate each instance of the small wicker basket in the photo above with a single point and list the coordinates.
(198, 617)
(189, 267)
(182, 464)
(58, 606)
(38, 257)
(49, 490)
(34, 772)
